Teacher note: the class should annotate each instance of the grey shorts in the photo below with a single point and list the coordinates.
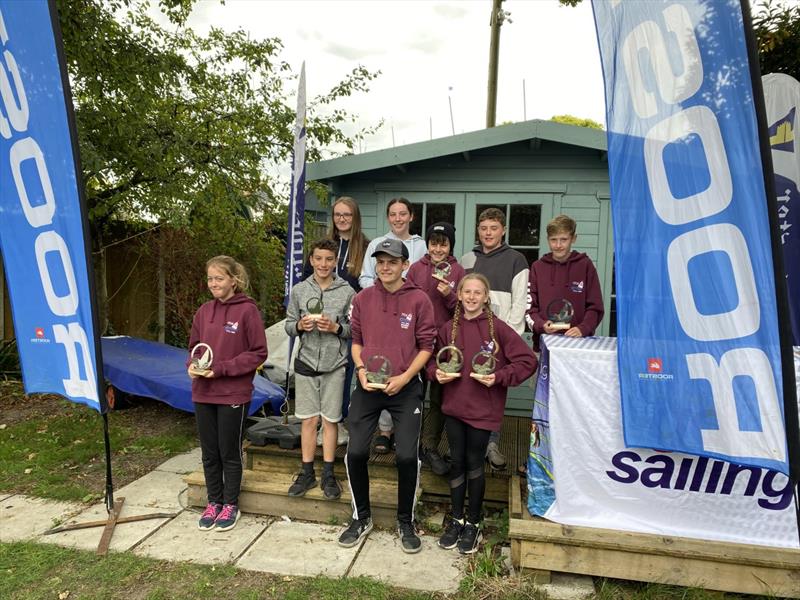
(320, 395)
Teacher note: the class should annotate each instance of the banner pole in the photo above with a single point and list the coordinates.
(790, 411)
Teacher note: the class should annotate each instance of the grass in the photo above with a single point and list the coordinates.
(42, 571)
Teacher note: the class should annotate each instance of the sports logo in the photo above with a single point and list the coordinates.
(231, 327)
(405, 320)
(654, 365)
(576, 287)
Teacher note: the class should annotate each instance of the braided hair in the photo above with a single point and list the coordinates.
(487, 309)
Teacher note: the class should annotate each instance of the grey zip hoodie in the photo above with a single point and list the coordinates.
(322, 352)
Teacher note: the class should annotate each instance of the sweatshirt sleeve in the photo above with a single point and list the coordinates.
(355, 320)
(425, 332)
(292, 314)
(519, 300)
(456, 275)
(344, 321)
(255, 354)
(594, 310)
(534, 317)
(367, 277)
(520, 359)
(441, 342)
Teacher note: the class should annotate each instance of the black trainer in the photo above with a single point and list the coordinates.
(302, 483)
(469, 539)
(409, 540)
(330, 487)
(355, 532)
(435, 461)
(452, 531)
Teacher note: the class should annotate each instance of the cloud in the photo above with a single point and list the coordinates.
(451, 12)
(350, 52)
(427, 41)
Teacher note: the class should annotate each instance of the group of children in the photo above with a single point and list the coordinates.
(404, 314)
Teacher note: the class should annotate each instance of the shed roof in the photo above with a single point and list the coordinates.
(464, 142)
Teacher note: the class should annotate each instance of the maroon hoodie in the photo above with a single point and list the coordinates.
(235, 332)
(421, 275)
(466, 399)
(395, 325)
(576, 280)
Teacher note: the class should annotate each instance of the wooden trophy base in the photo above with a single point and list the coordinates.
(442, 279)
(560, 326)
(199, 372)
(478, 376)
(377, 386)
(452, 374)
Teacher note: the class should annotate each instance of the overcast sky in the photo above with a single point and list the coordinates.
(429, 51)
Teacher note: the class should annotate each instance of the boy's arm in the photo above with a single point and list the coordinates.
(533, 318)
(344, 318)
(594, 309)
(367, 277)
(519, 300)
(292, 314)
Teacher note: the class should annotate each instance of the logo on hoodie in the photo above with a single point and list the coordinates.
(576, 287)
(405, 320)
(231, 327)
(487, 346)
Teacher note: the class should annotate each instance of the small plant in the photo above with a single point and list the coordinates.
(333, 520)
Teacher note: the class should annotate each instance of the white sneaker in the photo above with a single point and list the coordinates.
(343, 435)
(496, 459)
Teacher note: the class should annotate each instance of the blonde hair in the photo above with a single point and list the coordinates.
(358, 241)
(231, 268)
(562, 223)
(487, 308)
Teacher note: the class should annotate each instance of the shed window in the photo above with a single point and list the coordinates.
(428, 213)
(523, 224)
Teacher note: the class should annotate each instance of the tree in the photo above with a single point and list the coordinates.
(179, 128)
(570, 120)
(777, 28)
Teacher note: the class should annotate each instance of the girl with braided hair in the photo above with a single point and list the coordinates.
(473, 407)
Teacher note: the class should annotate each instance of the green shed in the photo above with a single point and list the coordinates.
(532, 170)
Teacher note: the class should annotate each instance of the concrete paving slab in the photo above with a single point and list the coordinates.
(187, 462)
(568, 586)
(126, 535)
(4, 495)
(430, 570)
(181, 540)
(306, 549)
(158, 490)
(25, 518)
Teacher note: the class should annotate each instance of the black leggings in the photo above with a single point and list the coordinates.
(220, 427)
(467, 451)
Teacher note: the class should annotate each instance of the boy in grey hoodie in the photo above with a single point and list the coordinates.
(318, 314)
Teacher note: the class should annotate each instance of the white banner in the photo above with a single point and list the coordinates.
(601, 483)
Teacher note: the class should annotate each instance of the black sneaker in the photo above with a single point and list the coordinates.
(452, 531)
(302, 483)
(469, 539)
(330, 487)
(409, 539)
(435, 461)
(355, 532)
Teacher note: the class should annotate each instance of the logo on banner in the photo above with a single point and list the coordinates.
(654, 365)
(781, 135)
(40, 337)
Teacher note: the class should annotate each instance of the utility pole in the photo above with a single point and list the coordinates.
(496, 20)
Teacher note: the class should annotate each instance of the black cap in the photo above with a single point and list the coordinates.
(392, 247)
(446, 229)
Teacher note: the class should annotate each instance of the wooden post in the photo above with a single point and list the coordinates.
(494, 52)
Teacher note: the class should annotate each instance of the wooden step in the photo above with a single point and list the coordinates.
(266, 494)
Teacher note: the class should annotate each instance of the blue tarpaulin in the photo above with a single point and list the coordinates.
(158, 371)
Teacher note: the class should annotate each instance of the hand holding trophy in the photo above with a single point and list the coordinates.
(441, 271)
(201, 358)
(377, 369)
(483, 365)
(449, 360)
(560, 313)
(315, 308)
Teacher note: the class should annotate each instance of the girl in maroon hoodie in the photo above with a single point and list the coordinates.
(474, 407)
(231, 326)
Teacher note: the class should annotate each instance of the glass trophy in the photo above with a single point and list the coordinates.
(560, 313)
(441, 271)
(314, 306)
(378, 370)
(201, 358)
(450, 359)
(483, 365)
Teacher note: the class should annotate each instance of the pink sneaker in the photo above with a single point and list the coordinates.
(227, 518)
(209, 517)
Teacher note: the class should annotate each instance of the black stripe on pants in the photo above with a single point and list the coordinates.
(220, 428)
(467, 451)
(406, 410)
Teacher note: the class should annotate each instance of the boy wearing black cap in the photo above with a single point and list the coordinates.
(426, 274)
(392, 319)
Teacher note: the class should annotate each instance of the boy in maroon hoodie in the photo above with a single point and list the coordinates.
(474, 404)
(441, 239)
(565, 274)
(392, 319)
(231, 326)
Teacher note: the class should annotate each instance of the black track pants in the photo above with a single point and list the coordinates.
(220, 427)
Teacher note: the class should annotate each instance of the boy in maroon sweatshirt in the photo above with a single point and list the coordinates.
(392, 319)
(564, 274)
(425, 274)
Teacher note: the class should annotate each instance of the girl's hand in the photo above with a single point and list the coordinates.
(444, 288)
(208, 374)
(191, 375)
(488, 380)
(443, 377)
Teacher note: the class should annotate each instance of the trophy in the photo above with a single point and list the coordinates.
(483, 364)
(378, 370)
(560, 313)
(450, 360)
(441, 271)
(315, 308)
(201, 358)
